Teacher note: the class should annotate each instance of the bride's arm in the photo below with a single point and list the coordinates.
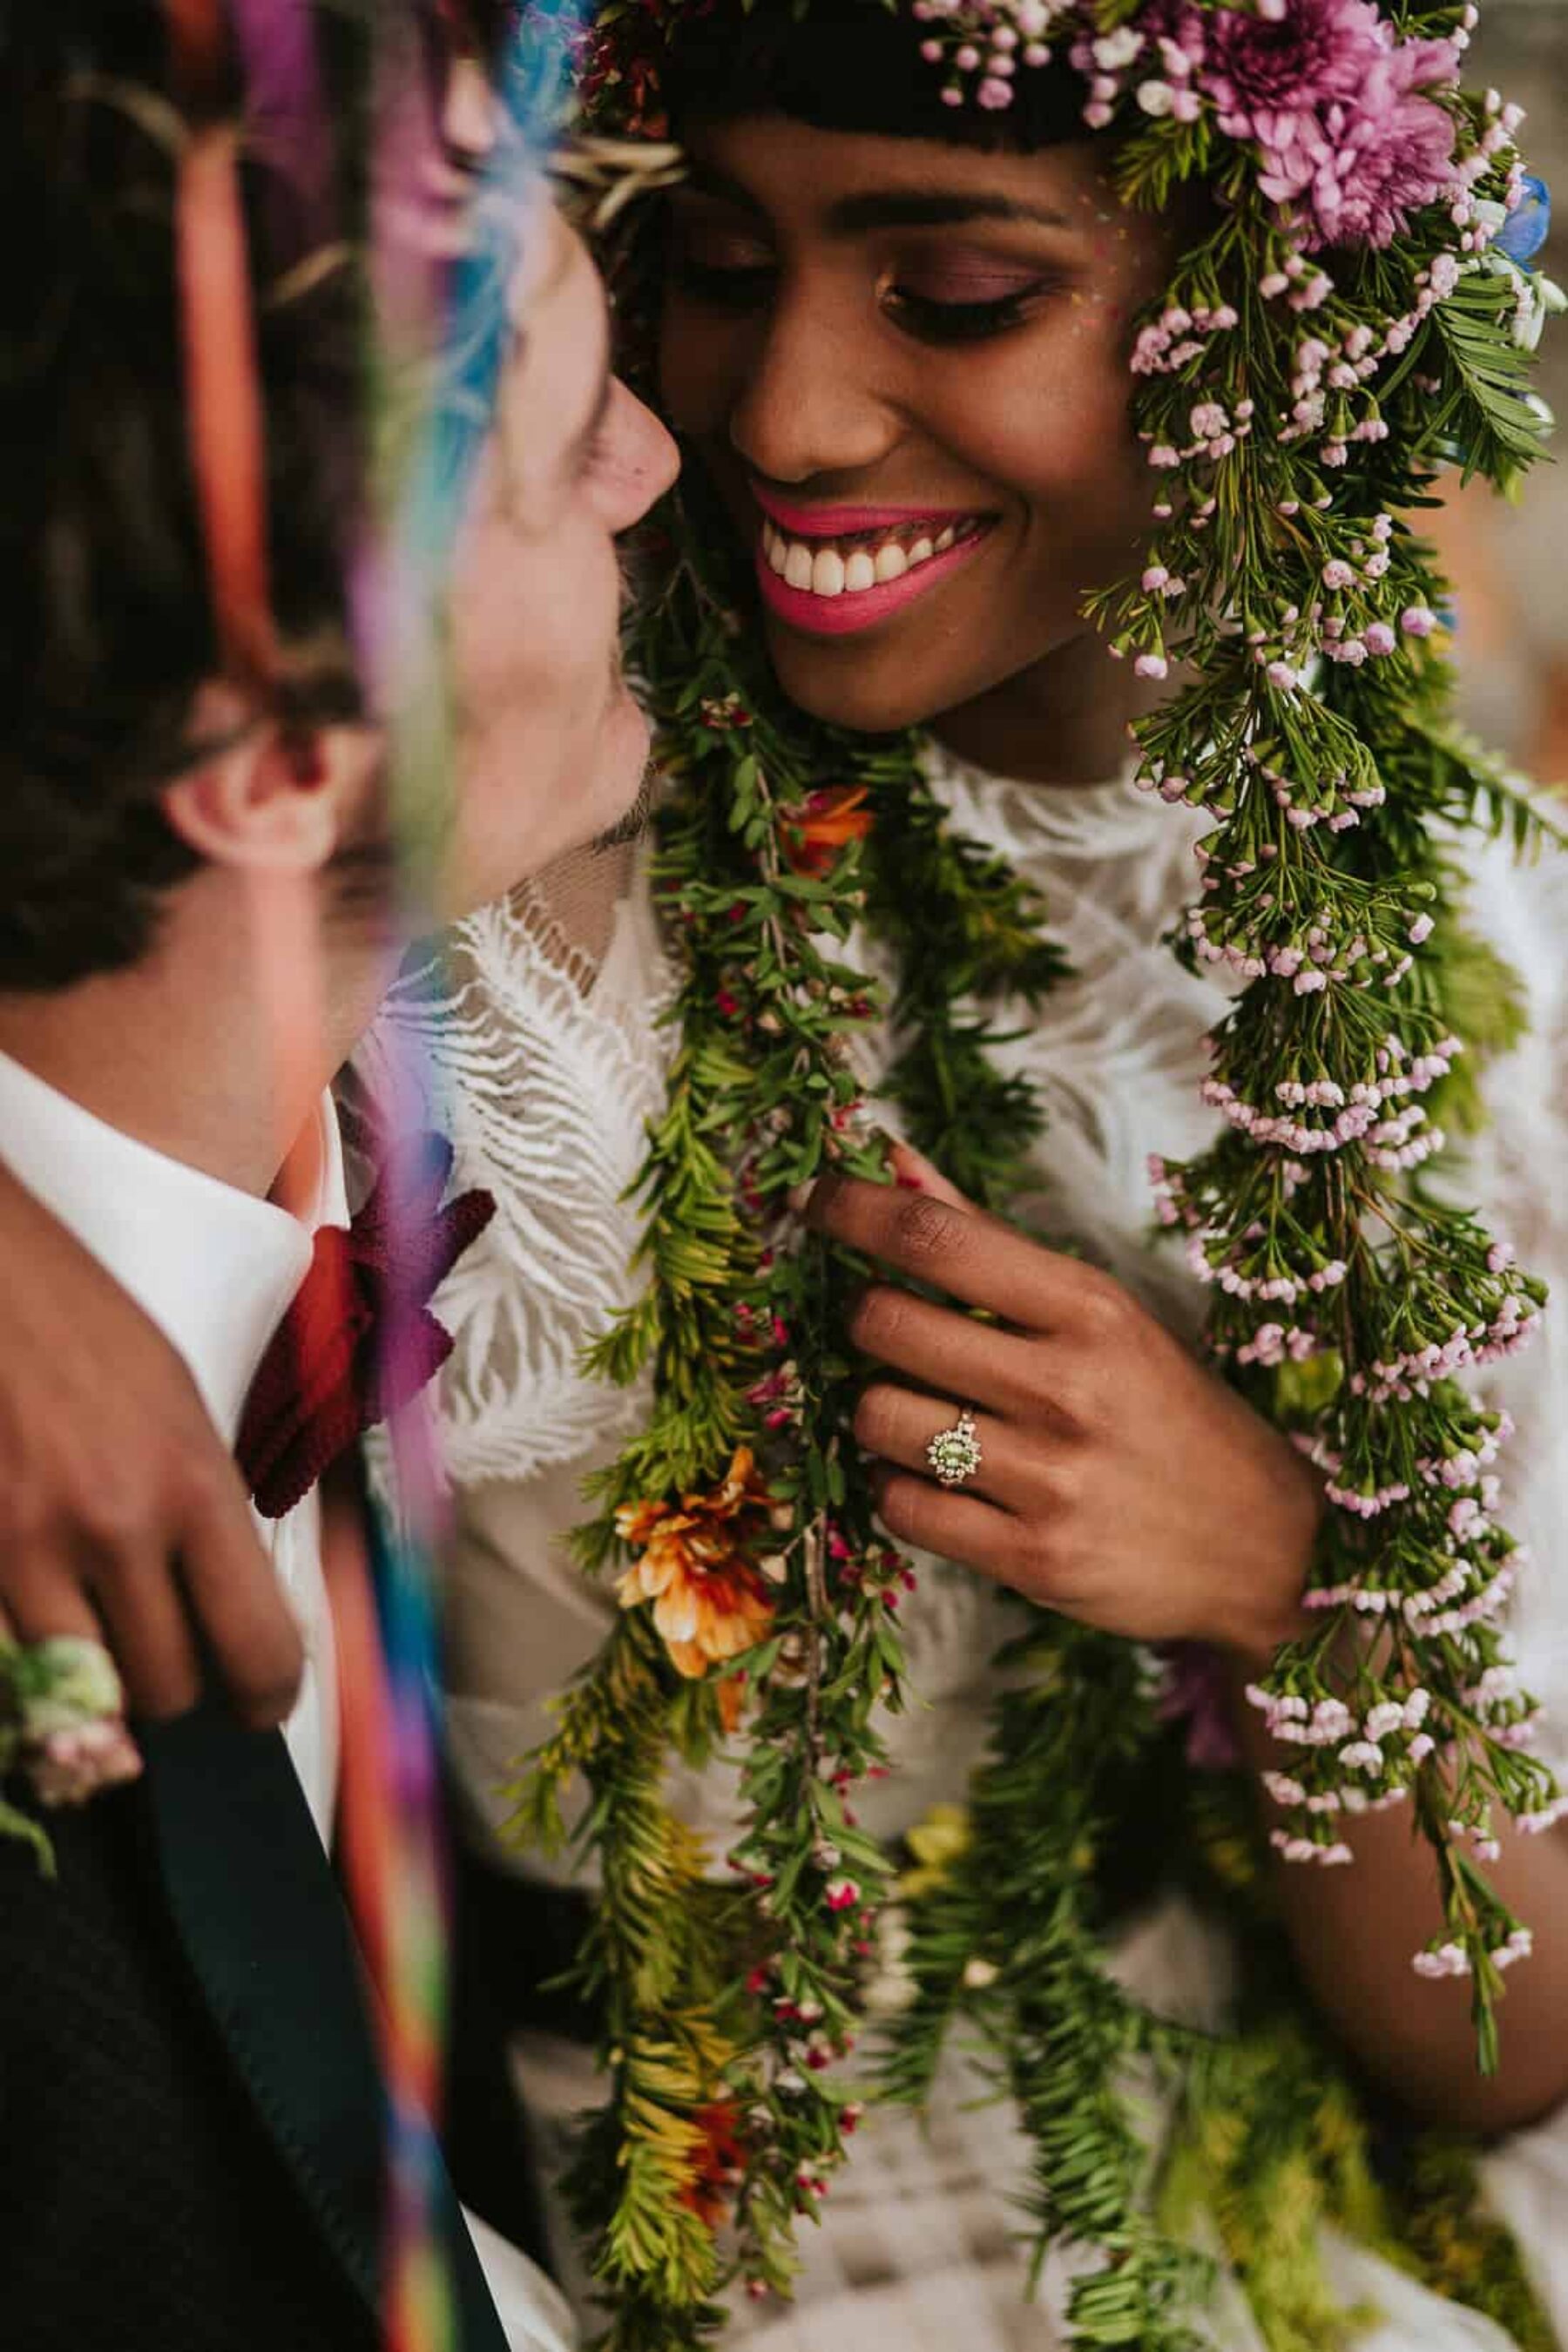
(1124, 1485)
(123, 1517)
(1354, 1929)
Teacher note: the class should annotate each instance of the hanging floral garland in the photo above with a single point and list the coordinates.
(1360, 313)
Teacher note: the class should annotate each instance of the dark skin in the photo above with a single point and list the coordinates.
(122, 1516)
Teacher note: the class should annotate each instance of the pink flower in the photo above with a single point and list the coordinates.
(1260, 68)
(1356, 167)
(841, 1894)
(1197, 1689)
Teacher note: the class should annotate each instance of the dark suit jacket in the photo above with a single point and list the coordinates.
(191, 2106)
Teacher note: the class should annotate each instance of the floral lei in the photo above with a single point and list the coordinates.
(1360, 315)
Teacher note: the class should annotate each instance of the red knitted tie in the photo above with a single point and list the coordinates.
(359, 1342)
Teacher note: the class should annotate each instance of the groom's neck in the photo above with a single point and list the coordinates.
(216, 1045)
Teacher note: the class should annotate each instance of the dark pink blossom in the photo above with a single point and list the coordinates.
(1355, 169)
(1265, 67)
(1198, 1689)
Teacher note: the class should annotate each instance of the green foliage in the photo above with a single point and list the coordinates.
(1487, 415)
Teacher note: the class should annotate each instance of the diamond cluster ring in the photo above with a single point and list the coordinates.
(954, 1454)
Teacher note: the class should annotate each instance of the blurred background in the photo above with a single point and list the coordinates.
(1510, 564)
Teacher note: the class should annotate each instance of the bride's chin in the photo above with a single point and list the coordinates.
(845, 690)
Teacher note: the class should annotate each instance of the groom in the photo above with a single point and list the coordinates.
(196, 924)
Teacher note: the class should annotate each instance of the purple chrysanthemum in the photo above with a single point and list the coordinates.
(1267, 66)
(1356, 167)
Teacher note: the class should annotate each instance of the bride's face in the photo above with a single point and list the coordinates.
(905, 365)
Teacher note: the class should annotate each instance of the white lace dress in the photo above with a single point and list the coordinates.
(544, 1064)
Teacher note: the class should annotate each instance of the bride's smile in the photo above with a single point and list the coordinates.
(831, 570)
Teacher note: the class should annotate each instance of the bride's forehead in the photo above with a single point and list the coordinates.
(778, 161)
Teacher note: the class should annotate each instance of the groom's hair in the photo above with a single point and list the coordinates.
(106, 626)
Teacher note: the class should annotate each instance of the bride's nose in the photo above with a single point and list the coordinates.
(812, 401)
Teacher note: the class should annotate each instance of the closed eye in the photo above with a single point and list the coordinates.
(740, 287)
(932, 321)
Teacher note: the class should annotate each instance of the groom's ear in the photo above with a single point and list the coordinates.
(267, 801)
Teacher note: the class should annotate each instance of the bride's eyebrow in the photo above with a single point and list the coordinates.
(879, 208)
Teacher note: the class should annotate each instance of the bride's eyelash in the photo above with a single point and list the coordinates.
(960, 322)
(732, 287)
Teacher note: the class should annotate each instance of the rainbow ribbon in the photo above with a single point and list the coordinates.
(383, 1586)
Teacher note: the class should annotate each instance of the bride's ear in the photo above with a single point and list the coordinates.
(267, 801)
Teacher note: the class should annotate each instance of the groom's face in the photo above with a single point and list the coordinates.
(552, 747)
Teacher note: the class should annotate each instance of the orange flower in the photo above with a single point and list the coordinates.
(710, 1603)
(719, 2162)
(830, 820)
(732, 1701)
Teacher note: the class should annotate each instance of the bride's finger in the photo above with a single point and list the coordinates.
(45, 1598)
(899, 1425)
(954, 1526)
(972, 1257)
(948, 1350)
(918, 1174)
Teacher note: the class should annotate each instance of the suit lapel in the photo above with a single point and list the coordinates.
(258, 1913)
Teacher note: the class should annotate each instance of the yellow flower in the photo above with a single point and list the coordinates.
(936, 1844)
(709, 1603)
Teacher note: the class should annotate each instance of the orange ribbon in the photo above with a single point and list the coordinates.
(226, 420)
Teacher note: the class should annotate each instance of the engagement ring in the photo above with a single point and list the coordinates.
(954, 1454)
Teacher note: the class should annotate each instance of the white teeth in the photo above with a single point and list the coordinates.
(829, 571)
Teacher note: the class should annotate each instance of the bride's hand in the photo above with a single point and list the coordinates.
(122, 1519)
(1120, 1481)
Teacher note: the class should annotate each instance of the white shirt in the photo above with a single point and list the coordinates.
(214, 1268)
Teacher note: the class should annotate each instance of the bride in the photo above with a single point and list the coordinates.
(894, 336)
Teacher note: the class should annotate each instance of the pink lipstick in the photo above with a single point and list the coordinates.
(843, 615)
(849, 522)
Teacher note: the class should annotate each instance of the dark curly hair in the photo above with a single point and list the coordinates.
(856, 68)
(108, 627)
